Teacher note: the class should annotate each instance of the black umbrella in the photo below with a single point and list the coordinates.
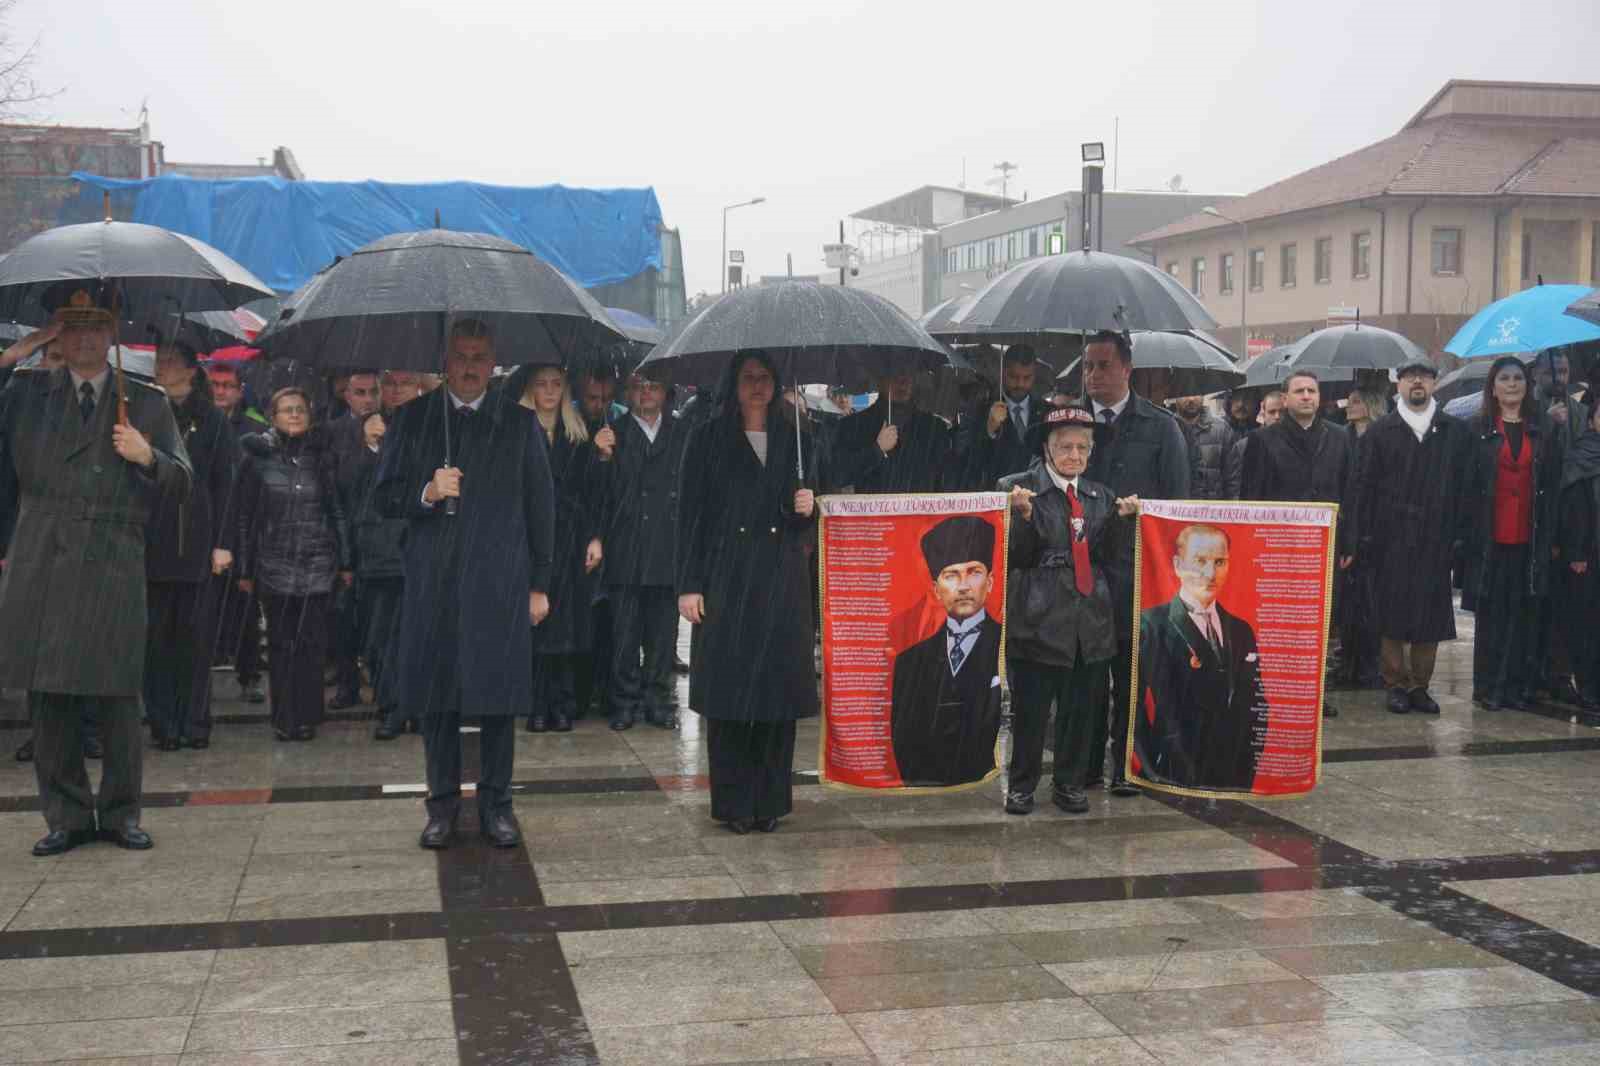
(1587, 307)
(1468, 378)
(1270, 369)
(1198, 363)
(815, 335)
(205, 331)
(937, 319)
(1354, 347)
(1078, 292)
(393, 302)
(153, 271)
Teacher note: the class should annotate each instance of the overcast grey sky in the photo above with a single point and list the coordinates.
(822, 107)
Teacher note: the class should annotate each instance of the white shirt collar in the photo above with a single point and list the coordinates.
(967, 628)
(650, 429)
(457, 403)
(1059, 481)
(1116, 409)
(98, 381)
(1195, 609)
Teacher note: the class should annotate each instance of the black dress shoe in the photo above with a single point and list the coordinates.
(1071, 800)
(502, 832)
(767, 825)
(624, 720)
(1121, 786)
(560, 723)
(59, 840)
(538, 723)
(1019, 803)
(1399, 701)
(25, 753)
(199, 743)
(741, 826)
(129, 836)
(306, 732)
(1421, 701)
(436, 834)
(92, 748)
(662, 718)
(386, 730)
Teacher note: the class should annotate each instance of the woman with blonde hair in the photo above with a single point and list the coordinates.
(576, 470)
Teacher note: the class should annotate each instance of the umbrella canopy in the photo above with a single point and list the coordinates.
(1587, 307)
(155, 271)
(393, 302)
(1355, 347)
(1199, 364)
(937, 320)
(205, 331)
(1079, 292)
(815, 334)
(1271, 367)
(636, 327)
(1529, 321)
(1466, 379)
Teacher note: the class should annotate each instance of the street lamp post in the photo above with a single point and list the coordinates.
(724, 264)
(1244, 290)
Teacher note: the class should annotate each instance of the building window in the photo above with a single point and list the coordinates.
(1257, 268)
(1197, 275)
(1446, 252)
(1033, 242)
(1527, 255)
(1288, 265)
(951, 261)
(1172, 267)
(1225, 273)
(1360, 255)
(1323, 254)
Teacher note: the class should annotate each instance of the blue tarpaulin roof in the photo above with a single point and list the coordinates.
(285, 231)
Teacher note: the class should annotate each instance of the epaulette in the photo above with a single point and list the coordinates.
(142, 383)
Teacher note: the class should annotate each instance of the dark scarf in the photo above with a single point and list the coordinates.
(1303, 441)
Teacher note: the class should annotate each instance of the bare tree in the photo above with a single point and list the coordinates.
(20, 92)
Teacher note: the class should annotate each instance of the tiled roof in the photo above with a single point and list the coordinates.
(1453, 157)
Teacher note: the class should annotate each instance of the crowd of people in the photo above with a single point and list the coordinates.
(293, 519)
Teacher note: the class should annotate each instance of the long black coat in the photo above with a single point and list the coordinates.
(743, 548)
(1211, 439)
(379, 540)
(920, 462)
(72, 597)
(984, 459)
(1286, 463)
(291, 527)
(1409, 518)
(181, 538)
(641, 520)
(1049, 621)
(465, 644)
(1482, 473)
(1579, 534)
(579, 479)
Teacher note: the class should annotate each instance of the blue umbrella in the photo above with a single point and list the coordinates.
(1530, 321)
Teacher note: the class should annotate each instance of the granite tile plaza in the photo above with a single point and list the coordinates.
(1431, 902)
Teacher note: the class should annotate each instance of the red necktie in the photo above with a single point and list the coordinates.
(1080, 548)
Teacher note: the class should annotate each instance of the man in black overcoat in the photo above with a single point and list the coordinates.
(1146, 455)
(893, 446)
(1303, 458)
(474, 579)
(83, 487)
(1410, 521)
(945, 710)
(1202, 716)
(347, 440)
(993, 441)
(641, 518)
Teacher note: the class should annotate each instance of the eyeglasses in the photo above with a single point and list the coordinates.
(293, 412)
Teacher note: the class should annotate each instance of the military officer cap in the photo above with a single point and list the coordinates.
(88, 302)
(960, 539)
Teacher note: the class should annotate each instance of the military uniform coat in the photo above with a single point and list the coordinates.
(74, 581)
(465, 645)
(1409, 517)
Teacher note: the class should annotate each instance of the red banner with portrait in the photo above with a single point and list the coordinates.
(913, 639)
(1233, 603)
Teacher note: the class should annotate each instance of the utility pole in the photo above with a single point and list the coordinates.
(842, 265)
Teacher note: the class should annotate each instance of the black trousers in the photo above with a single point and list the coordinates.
(441, 745)
(552, 685)
(380, 599)
(171, 609)
(591, 670)
(645, 633)
(752, 767)
(1111, 728)
(1507, 617)
(238, 630)
(1079, 694)
(297, 644)
(1583, 630)
(68, 800)
(347, 633)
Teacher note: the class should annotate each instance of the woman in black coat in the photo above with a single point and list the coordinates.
(185, 546)
(1513, 478)
(1062, 626)
(744, 525)
(575, 467)
(293, 539)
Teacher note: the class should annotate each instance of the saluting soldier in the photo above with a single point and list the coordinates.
(72, 595)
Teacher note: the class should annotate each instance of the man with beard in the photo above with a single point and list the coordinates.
(1146, 456)
(997, 440)
(477, 574)
(945, 703)
(348, 440)
(892, 446)
(1267, 414)
(1302, 459)
(1409, 523)
(1243, 408)
(1210, 441)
